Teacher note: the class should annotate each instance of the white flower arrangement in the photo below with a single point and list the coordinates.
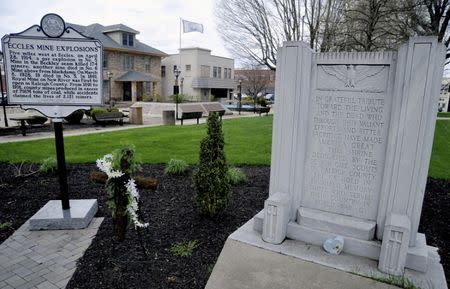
(132, 208)
(106, 166)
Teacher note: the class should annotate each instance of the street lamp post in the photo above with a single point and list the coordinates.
(240, 95)
(176, 90)
(181, 85)
(109, 74)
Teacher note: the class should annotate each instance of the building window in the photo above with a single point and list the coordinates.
(228, 73)
(127, 39)
(148, 66)
(147, 88)
(205, 71)
(105, 59)
(219, 72)
(215, 71)
(128, 62)
(188, 67)
(163, 71)
(106, 89)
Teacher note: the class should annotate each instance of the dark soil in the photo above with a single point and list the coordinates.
(173, 218)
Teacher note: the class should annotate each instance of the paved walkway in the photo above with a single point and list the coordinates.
(43, 259)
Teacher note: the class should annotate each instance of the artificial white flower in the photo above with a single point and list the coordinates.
(133, 207)
(105, 165)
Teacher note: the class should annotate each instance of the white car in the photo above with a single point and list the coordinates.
(269, 97)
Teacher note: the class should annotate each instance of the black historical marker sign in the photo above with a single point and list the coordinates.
(53, 65)
(56, 70)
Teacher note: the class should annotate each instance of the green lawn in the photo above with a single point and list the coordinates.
(248, 141)
(443, 114)
(440, 157)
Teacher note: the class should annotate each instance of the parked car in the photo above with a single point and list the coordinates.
(270, 97)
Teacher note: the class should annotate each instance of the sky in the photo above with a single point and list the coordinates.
(158, 21)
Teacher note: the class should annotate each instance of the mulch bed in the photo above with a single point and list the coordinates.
(173, 218)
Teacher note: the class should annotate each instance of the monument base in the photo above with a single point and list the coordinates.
(417, 257)
(53, 217)
(257, 262)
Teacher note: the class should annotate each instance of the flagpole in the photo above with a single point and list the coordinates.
(179, 50)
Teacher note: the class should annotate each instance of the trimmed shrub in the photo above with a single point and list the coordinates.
(236, 176)
(179, 98)
(38, 119)
(99, 110)
(176, 167)
(75, 117)
(48, 166)
(211, 181)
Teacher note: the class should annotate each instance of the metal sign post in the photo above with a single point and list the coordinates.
(3, 97)
(55, 70)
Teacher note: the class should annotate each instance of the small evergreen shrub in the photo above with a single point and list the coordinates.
(48, 166)
(262, 101)
(176, 167)
(211, 180)
(236, 176)
(179, 98)
(6, 226)
(184, 249)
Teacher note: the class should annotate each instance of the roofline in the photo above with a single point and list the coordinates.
(162, 54)
(195, 48)
(120, 30)
(176, 54)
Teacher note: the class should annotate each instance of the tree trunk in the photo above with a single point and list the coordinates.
(120, 219)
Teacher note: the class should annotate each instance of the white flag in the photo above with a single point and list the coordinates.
(189, 26)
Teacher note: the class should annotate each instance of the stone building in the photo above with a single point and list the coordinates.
(131, 69)
(202, 75)
(444, 96)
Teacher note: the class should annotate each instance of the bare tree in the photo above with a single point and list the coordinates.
(255, 79)
(330, 26)
(254, 29)
(249, 30)
(432, 18)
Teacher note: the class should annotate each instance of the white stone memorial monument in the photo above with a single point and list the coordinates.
(351, 146)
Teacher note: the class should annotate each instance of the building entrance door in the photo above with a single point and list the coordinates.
(127, 91)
